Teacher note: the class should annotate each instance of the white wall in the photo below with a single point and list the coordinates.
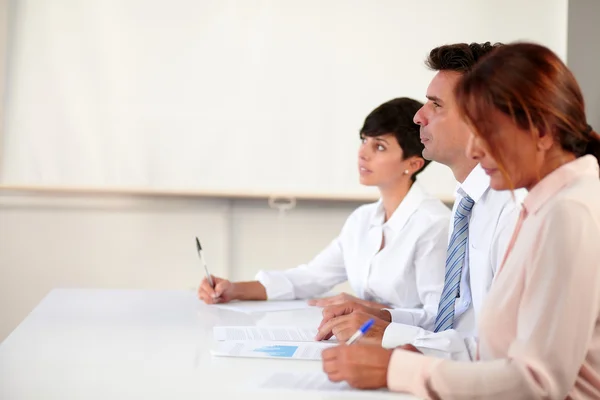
(3, 57)
(147, 242)
(582, 50)
(246, 96)
(127, 242)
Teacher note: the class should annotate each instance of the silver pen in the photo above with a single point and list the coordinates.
(208, 277)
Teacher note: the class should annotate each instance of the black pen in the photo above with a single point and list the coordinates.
(208, 277)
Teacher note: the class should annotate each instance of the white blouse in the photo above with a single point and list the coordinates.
(407, 273)
(540, 323)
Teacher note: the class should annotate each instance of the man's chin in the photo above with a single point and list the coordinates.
(427, 154)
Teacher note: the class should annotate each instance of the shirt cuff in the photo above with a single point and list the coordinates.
(401, 316)
(410, 372)
(277, 286)
(398, 334)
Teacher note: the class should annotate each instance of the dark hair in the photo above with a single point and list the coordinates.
(396, 117)
(531, 85)
(459, 57)
(593, 146)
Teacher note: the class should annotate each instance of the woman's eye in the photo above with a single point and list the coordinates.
(380, 148)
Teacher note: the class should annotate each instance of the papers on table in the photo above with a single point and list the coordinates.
(303, 381)
(282, 334)
(318, 381)
(267, 349)
(263, 306)
(268, 342)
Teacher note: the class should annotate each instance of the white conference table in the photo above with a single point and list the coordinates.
(140, 344)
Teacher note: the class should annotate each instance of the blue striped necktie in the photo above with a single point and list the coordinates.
(455, 258)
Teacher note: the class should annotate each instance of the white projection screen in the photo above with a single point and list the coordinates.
(228, 96)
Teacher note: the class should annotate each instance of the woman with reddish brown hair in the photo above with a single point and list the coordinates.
(539, 331)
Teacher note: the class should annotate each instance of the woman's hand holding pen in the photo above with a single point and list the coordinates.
(362, 366)
(226, 291)
(223, 291)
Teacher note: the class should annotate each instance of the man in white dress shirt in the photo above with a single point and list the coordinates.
(490, 216)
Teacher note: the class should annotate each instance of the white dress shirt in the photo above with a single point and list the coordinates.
(408, 272)
(491, 224)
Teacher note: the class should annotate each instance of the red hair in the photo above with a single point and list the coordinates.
(531, 85)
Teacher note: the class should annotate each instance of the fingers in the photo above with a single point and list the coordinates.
(221, 286)
(324, 302)
(206, 297)
(327, 317)
(331, 365)
(330, 353)
(211, 295)
(205, 286)
(333, 327)
(340, 364)
(323, 322)
(335, 376)
(343, 331)
(333, 371)
(332, 300)
(325, 330)
(206, 292)
(323, 334)
(338, 310)
(344, 326)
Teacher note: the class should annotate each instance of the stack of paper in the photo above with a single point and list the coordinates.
(282, 333)
(268, 342)
(302, 381)
(250, 307)
(265, 349)
(316, 381)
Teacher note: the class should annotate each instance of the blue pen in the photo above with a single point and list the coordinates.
(361, 332)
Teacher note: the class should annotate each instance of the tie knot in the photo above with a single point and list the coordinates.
(464, 207)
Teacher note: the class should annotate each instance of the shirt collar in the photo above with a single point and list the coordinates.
(411, 202)
(559, 178)
(476, 184)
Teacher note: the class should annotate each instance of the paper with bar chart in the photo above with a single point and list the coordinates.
(270, 349)
(267, 333)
